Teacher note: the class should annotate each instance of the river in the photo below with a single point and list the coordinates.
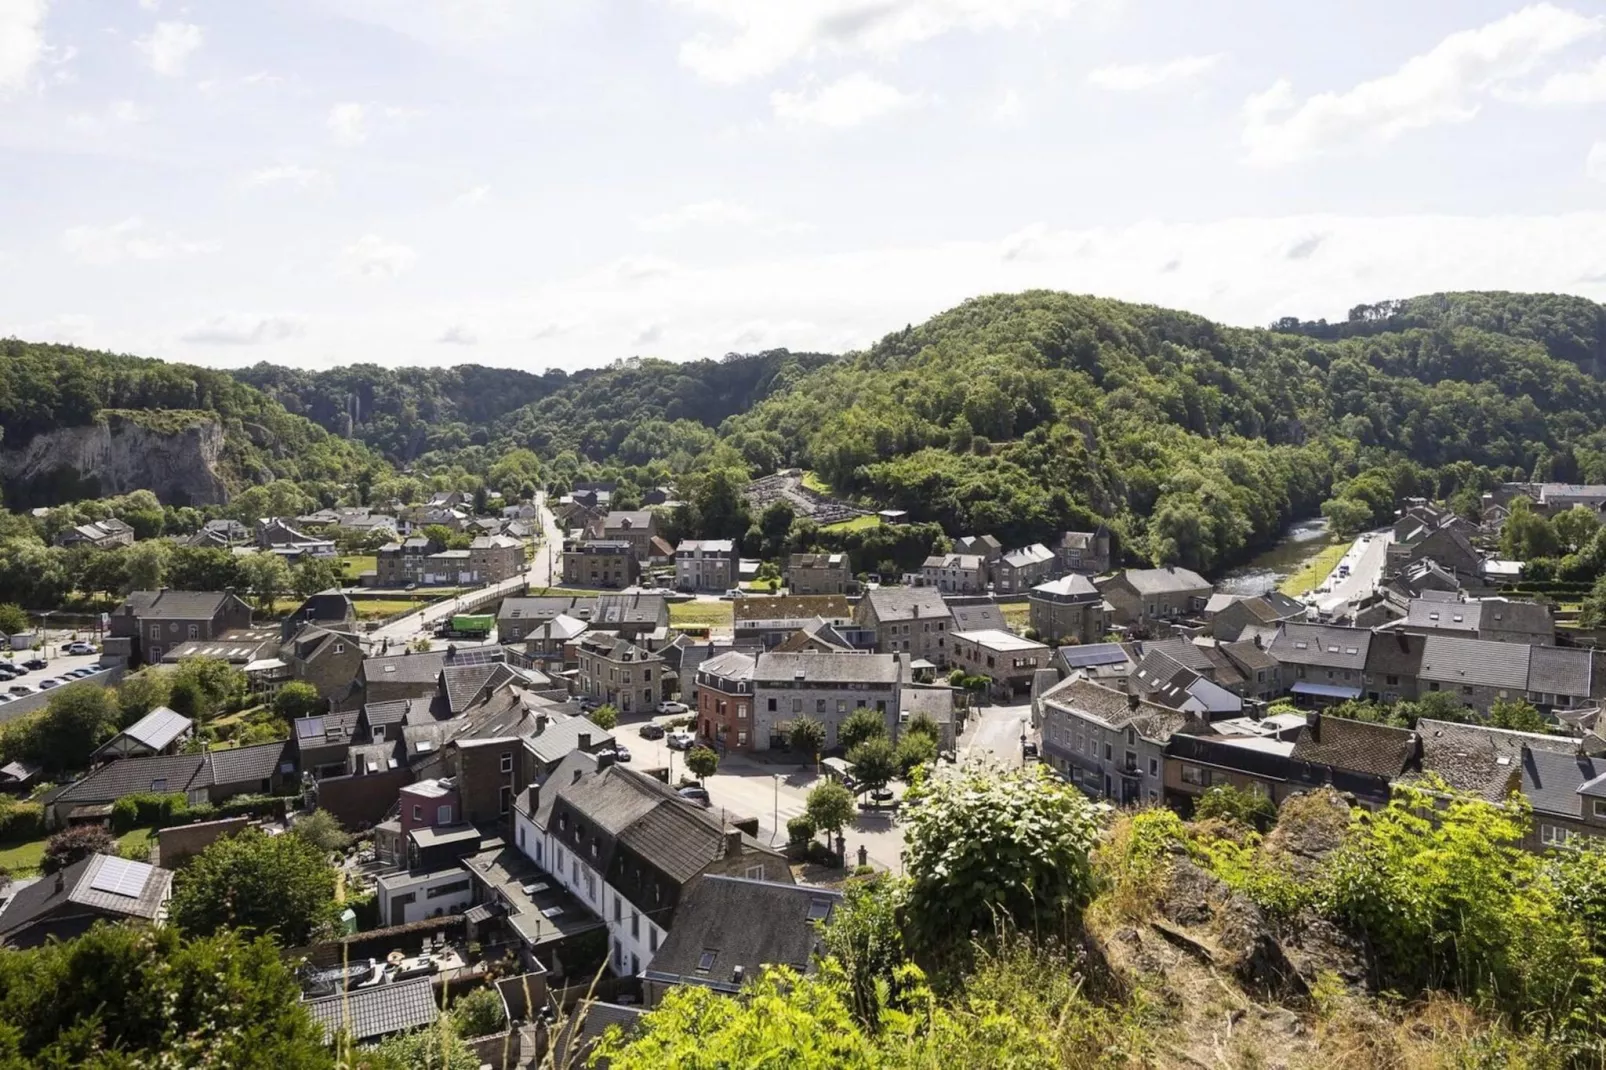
(1301, 542)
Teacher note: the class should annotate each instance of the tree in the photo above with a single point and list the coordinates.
(874, 762)
(187, 697)
(267, 575)
(986, 845)
(865, 937)
(281, 885)
(862, 724)
(127, 995)
(217, 684)
(806, 735)
(1517, 715)
(438, 1046)
(296, 700)
(702, 761)
(915, 749)
(75, 843)
(202, 568)
(605, 717)
(1525, 534)
(480, 1013)
(829, 807)
(13, 621)
(1592, 611)
(77, 719)
(314, 574)
(1575, 527)
(1234, 804)
(323, 831)
(1435, 706)
(145, 565)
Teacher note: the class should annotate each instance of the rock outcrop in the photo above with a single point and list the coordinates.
(176, 458)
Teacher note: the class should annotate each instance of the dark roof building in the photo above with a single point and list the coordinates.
(366, 1014)
(97, 888)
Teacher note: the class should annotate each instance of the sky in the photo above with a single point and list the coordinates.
(543, 184)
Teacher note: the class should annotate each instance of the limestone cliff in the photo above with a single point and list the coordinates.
(174, 454)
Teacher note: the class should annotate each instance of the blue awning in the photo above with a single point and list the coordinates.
(1325, 690)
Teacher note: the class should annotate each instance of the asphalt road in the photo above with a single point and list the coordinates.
(1365, 558)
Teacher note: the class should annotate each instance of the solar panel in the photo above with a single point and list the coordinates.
(309, 727)
(819, 909)
(119, 876)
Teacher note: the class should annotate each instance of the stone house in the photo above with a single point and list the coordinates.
(517, 618)
(913, 621)
(1022, 569)
(605, 563)
(955, 573)
(986, 547)
(618, 673)
(1145, 598)
(1321, 662)
(819, 574)
(1069, 609)
(1568, 794)
(328, 659)
(157, 621)
(396, 564)
(706, 565)
(634, 526)
(1110, 745)
(1009, 660)
(1087, 552)
(770, 619)
(826, 687)
(100, 535)
(1260, 611)
(494, 558)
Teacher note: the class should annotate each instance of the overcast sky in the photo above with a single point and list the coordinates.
(534, 183)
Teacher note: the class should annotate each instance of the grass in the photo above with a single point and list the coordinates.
(356, 564)
(1017, 615)
(812, 480)
(1314, 572)
(858, 523)
(380, 608)
(135, 838)
(702, 614)
(22, 859)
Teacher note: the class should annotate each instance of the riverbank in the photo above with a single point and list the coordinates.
(1301, 548)
(1314, 572)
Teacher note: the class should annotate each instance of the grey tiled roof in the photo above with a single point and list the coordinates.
(979, 617)
(545, 608)
(1395, 654)
(1072, 586)
(746, 924)
(158, 728)
(731, 665)
(907, 603)
(615, 609)
(463, 682)
(1475, 662)
(243, 765)
(1551, 781)
(562, 735)
(1083, 698)
(404, 668)
(826, 668)
(176, 605)
(370, 1013)
(129, 776)
(1165, 580)
(1444, 616)
(1322, 645)
(75, 885)
(1560, 670)
(1356, 746)
(1478, 759)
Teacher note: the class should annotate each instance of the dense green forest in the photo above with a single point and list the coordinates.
(1020, 414)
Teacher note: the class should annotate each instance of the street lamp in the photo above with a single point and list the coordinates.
(776, 819)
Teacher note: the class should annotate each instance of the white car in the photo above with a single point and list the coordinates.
(673, 707)
(680, 739)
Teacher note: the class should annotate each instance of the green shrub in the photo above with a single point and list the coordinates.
(20, 821)
(480, 1013)
(799, 831)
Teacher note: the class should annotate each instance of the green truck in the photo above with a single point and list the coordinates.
(473, 625)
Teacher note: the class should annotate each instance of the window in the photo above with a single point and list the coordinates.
(741, 711)
(1193, 774)
(340, 648)
(591, 885)
(841, 706)
(507, 761)
(705, 961)
(741, 739)
(619, 909)
(379, 733)
(754, 873)
(418, 812)
(1131, 737)
(1109, 752)
(1154, 767)
(652, 939)
(160, 784)
(797, 705)
(1553, 836)
(1600, 807)
(819, 705)
(156, 631)
(772, 705)
(635, 924)
(443, 815)
(447, 889)
(195, 631)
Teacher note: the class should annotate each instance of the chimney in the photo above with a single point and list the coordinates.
(1313, 721)
(733, 842)
(61, 880)
(451, 651)
(737, 974)
(1260, 644)
(540, 723)
(1132, 700)
(585, 741)
(1414, 759)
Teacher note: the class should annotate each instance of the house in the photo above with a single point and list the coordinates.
(1145, 598)
(518, 617)
(222, 533)
(1110, 745)
(630, 849)
(277, 536)
(366, 1015)
(211, 776)
(913, 621)
(1567, 792)
(18, 776)
(156, 621)
(494, 558)
(1477, 673)
(729, 928)
(1162, 679)
(1322, 662)
(1498, 620)
(551, 644)
(1022, 569)
(637, 617)
(328, 659)
(1480, 760)
(1259, 611)
(1087, 552)
(725, 700)
(1199, 655)
(983, 616)
(1261, 673)
(986, 547)
(1009, 660)
(935, 704)
(99, 535)
(1109, 664)
(826, 687)
(620, 674)
(1356, 756)
(1555, 498)
(819, 574)
(94, 889)
(1393, 666)
(818, 636)
(398, 564)
(637, 527)
(771, 620)
(1449, 547)
(1068, 610)
(705, 565)
(161, 731)
(600, 563)
(1561, 678)
(332, 609)
(955, 573)
(390, 677)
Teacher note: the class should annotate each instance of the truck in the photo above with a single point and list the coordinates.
(472, 625)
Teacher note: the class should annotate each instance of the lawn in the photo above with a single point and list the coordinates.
(135, 838)
(22, 859)
(1017, 615)
(858, 523)
(702, 614)
(356, 564)
(1314, 572)
(380, 608)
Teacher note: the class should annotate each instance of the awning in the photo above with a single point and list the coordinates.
(484, 912)
(1325, 690)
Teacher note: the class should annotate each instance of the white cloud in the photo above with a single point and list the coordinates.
(1010, 109)
(459, 334)
(1446, 84)
(118, 113)
(22, 41)
(849, 101)
(244, 329)
(373, 257)
(1133, 77)
(169, 46)
(760, 37)
(715, 213)
(1595, 162)
(473, 195)
(283, 175)
(130, 239)
(348, 123)
(1584, 86)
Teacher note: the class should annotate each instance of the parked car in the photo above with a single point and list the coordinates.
(681, 739)
(1028, 749)
(46, 684)
(9, 671)
(695, 794)
(80, 648)
(588, 704)
(20, 689)
(652, 730)
(620, 754)
(670, 706)
(35, 664)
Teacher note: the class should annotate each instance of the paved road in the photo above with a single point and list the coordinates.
(993, 735)
(1365, 558)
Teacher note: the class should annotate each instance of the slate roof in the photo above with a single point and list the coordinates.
(370, 1013)
(76, 887)
(1395, 654)
(1075, 656)
(986, 616)
(1077, 697)
(746, 925)
(176, 605)
(1026, 556)
(562, 735)
(1165, 580)
(1478, 759)
(1072, 587)
(907, 603)
(128, 776)
(241, 765)
(1511, 615)
(1181, 651)
(397, 711)
(1322, 645)
(545, 608)
(1248, 656)
(463, 682)
(792, 607)
(826, 668)
(404, 668)
(1475, 662)
(818, 630)
(591, 1020)
(616, 609)
(325, 729)
(158, 728)
(1560, 670)
(731, 665)
(821, 560)
(936, 703)
(968, 562)
(1444, 616)
(1552, 781)
(1356, 746)
(628, 519)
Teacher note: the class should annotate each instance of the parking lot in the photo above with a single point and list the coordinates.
(56, 668)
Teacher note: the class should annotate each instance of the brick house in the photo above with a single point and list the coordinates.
(157, 621)
(725, 713)
(634, 526)
(494, 558)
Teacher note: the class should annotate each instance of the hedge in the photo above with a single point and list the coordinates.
(162, 811)
(21, 821)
